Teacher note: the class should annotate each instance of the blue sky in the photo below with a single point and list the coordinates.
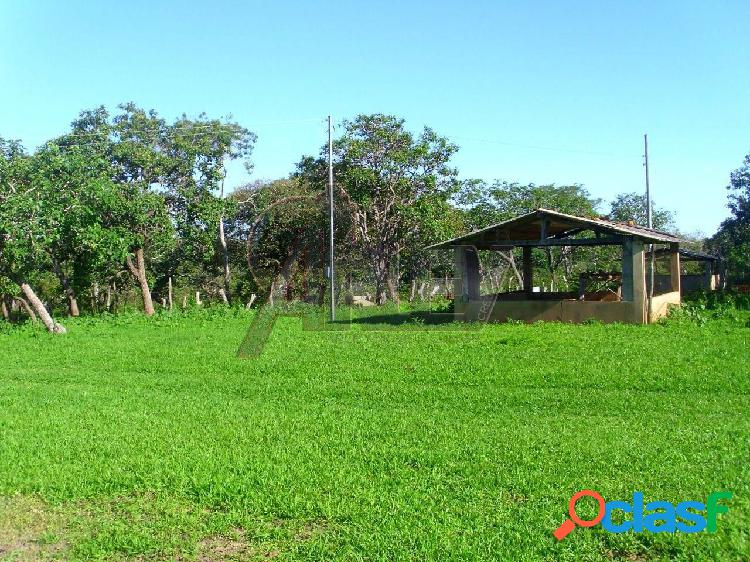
(531, 91)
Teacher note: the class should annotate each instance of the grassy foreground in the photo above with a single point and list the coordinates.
(137, 439)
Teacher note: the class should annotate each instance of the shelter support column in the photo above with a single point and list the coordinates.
(466, 284)
(634, 278)
(528, 272)
(674, 267)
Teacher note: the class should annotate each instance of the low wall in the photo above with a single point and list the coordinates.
(661, 303)
(568, 310)
(691, 283)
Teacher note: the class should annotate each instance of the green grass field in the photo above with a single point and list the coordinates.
(137, 439)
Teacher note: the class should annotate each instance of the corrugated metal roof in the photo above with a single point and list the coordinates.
(528, 227)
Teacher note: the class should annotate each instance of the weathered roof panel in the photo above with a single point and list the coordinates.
(529, 227)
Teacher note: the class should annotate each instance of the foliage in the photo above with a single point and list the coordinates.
(489, 204)
(732, 239)
(485, 205)
(394, 185)
(632, 206)
(120, 188)
(702, 306)
(282, 225)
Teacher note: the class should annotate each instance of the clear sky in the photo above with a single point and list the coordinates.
(532, 91)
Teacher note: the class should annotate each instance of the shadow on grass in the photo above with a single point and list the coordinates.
(317, 319)
(420, 318)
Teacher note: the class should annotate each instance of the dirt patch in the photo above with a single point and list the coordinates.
(234, 546)
(620, 556)
(311, 529)
(30, 530)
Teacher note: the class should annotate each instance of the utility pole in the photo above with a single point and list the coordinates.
(650, 224)
(330, 216)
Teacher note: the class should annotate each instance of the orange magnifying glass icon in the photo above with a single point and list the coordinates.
(569, 524)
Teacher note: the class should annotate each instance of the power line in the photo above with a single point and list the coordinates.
(536, 147)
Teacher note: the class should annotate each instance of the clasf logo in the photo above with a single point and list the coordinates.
(663, 517)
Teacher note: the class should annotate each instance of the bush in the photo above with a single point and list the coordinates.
(702, 306)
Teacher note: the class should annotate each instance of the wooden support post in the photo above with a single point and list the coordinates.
(466, 284)
(528, 272)
(674, 267)
(472, 274)
(634, 278)
(544, 230)
(458, 279)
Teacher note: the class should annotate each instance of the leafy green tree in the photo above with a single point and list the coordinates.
(433, 219)
(632, 207)
(167, 176)
(382, 171)
(484, 205)
(198, 151)
(282, 224)
(76, 186)
(25, 227)
(732, 239)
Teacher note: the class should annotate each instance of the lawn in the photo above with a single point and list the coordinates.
(136, 439)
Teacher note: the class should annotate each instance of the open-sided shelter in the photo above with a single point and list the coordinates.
(544, 228)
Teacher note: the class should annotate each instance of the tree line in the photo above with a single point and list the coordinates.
(128, 206)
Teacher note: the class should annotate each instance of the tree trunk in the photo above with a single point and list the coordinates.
(23, 303)
(95, 297)
(41, 311)
(393, 289)
(225, 257)
(223, 296)
(170, 293)
(139, 272)
(6, 303)
(508, 257)
(322, 293)
(381, 279)
(111, 296)
(412, 290)
(551, 268)
(224, 250)
(303, 271)
(287, 269)
(70, 294)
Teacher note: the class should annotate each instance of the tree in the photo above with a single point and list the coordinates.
(632, 207)
(484, 205)
(282, 224)
(166, 177)
(198, 151)
(382, 170)
(732, 239)
(25, 235)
